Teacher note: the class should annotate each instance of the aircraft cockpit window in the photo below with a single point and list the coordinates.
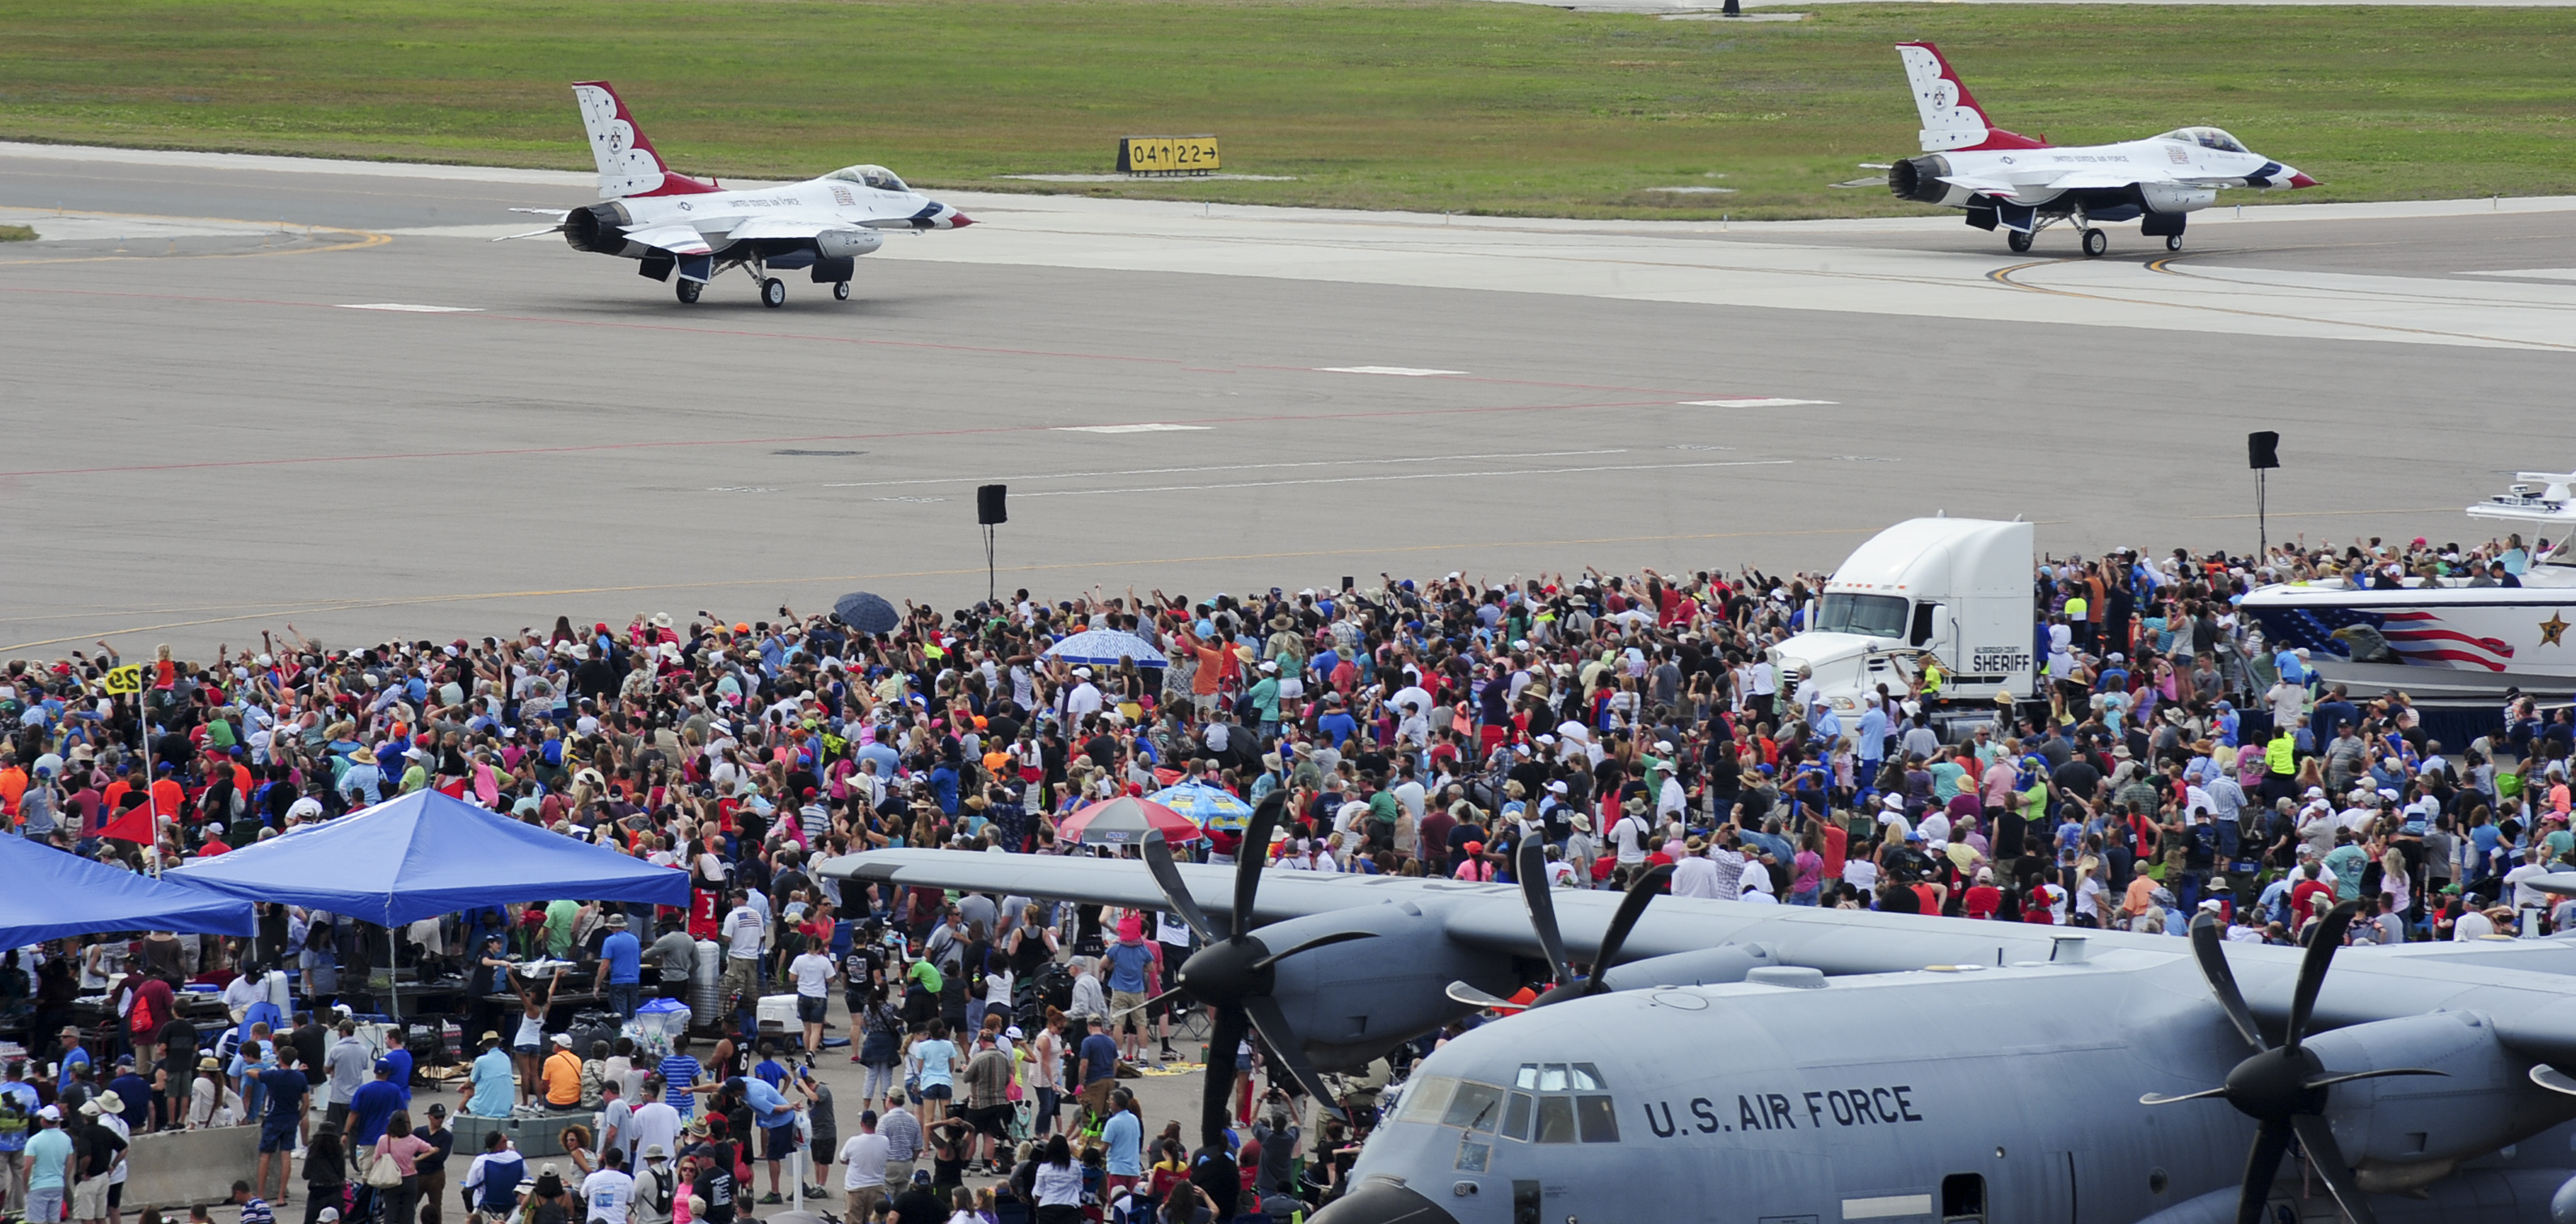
(1516, 1116)
(1555, 1120)
(1528, 1077)
(1475, 1106)
(1587, 1078)
(869, 176)
(1427, 1099)
(1599, 1119)
(1551, 1077)
(2207, 138)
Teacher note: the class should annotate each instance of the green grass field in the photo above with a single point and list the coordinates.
(1420, 104)
(17, 233)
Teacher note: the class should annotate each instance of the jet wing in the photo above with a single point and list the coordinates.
(677, 239)
(785, 225)
(1990, 186)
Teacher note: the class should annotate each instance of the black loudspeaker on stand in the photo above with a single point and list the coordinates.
(2262, 453)
(990, 513)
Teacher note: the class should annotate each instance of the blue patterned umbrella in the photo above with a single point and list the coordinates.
(1104, 648)
(1209, 807)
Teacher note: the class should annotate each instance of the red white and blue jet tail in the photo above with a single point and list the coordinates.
(628, 164)
(1951, 117)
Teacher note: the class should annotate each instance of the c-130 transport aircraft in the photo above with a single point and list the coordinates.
(1793, 1065)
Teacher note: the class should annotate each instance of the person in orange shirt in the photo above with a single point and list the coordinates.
(562, 1076)
(13, 787)
(167, 795)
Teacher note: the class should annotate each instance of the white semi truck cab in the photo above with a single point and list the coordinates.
(1953, 590)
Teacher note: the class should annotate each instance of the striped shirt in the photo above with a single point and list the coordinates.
(679, 1071)
(257, 1211)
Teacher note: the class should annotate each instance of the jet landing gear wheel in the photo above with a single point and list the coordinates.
(773, 293)
(2018, 241)
(2096, 241)
(840, 291)
(2173, 242)
(688, 291)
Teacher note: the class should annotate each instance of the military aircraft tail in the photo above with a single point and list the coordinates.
(1951, 117)
(628, 165)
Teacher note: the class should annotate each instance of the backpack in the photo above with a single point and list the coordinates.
(657, 1191)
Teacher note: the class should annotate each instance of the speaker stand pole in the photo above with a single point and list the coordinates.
(991, 592)
(2262, 531)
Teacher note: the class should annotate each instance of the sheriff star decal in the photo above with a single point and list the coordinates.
(2553, 629)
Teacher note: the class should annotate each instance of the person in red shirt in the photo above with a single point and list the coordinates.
(1983, 898)
(2306, 892)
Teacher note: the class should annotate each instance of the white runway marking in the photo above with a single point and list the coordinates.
(1234, 467)
(1143, 427)
(1752, 403)
(409, 308)
(2532, 273)
(1398, 371)
(1323, 480)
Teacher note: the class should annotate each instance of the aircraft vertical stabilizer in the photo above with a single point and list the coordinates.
(628, 166)
(1951, 117)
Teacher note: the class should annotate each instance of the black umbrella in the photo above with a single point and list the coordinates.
(866, 613)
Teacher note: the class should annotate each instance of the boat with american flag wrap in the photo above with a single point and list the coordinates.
(2443, 640)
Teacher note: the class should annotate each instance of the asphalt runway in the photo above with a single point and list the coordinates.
(208, 440)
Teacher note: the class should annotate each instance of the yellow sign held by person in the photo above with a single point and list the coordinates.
(126, 679)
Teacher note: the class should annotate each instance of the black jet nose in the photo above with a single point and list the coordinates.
(1382, 1202)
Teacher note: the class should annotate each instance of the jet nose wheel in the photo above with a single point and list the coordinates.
(2173, 242)
(688, 291)
(773, 293)
(2096, 241)
(2018, 241)
(840, 291)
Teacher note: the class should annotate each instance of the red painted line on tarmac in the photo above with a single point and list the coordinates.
(859, 437)
(932, 345)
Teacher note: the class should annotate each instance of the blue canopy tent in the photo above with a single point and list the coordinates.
(425, 854)
(53, 894)
(1104, 648)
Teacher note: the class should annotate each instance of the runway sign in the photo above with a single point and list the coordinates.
(1167, 155)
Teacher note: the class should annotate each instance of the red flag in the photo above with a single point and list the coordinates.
(134, 826)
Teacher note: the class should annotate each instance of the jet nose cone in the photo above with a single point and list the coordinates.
(2300, 180)
(959, 220)
(1382, 1202)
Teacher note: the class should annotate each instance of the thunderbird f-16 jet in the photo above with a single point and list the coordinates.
(672, 223)
(1719, 1060)
(2023, 185)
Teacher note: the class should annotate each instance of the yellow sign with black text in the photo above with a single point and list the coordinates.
(1167, 155)
(126, 679)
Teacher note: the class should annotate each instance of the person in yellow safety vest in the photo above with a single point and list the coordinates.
(2278, 755)
(1931, 677)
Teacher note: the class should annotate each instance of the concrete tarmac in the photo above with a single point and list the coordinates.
(217, 426)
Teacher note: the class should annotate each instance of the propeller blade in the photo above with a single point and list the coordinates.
(1174, 993)
(1225, 1036)
(1272, 1024)
(2329, 1081)
(1473, 997)
(1252, 856)
(2543, 1074)
(2312, 971)
(1167, 876)
(1531, 868)
(2262, 1164)
(1320, 941)
(2158, 1098)
(2206, 946)
(2325, 1157)
(1631, 908)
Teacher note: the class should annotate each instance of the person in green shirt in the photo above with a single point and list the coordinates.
(561, 916)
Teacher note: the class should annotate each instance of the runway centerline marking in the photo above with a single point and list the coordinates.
(1324, 480)
(1398, 371)
(1755, 403)
(410, 308)
(1139, 427)
(1230, 467)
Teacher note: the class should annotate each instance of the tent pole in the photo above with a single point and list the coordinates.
(151, 799)
(393, 987)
